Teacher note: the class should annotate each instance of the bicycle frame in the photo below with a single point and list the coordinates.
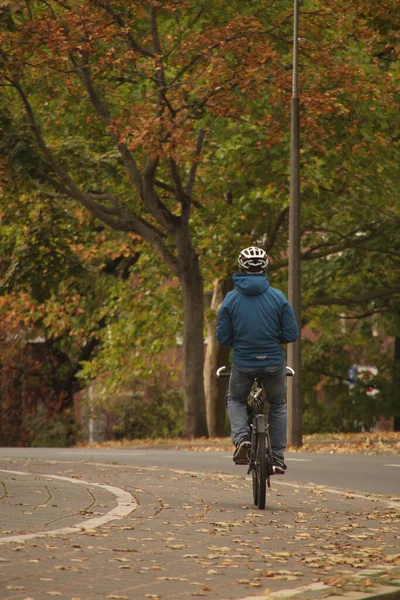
(260, 455)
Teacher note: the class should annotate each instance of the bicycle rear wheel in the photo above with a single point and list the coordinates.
(253, 453)
(259, 471)
(270, 468)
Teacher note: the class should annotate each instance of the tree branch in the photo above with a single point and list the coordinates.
(275, 228)
(144, 184)
(152, 200)
(349, 239)
(154, 29)
(102, 110)
(177, 179)
(351, 300)
(66, 185)
(160, 73)
(117, 216)
(178, 37)
(195, 164)
(364, 315)
(126, 30)
(312, 253)
(164, 186)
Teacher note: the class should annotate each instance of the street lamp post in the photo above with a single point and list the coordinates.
(294, 428)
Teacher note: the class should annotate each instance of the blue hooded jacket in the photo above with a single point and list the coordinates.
(255, 319)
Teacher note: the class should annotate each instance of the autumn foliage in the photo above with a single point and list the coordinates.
(168, 123)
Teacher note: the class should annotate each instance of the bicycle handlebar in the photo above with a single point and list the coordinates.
(289, 372)
(220, 374)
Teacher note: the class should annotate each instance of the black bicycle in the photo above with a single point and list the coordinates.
(260, 454)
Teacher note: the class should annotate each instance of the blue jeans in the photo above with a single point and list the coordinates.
(274, 381)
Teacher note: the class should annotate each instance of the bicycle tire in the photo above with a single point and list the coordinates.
(270, 468)
(260, 471)
(255, 487)
(253, 470)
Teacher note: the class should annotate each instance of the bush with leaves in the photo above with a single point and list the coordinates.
(157, 413)
(47, 429)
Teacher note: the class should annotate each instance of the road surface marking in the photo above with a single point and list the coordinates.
(103, 452)
(393, 465)
(287, 459)
(313, 587)
(125, 505)
(339, 491)
(358, 578)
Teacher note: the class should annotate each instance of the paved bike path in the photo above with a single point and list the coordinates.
(89, 531)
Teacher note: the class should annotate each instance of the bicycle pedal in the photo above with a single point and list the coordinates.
(241, 461)
(277, 472)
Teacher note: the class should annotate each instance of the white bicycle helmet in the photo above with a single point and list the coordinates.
(253, 260)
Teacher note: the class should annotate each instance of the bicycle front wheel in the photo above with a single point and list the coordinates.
(259, 472)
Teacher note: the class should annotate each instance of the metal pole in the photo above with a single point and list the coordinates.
(294, 426)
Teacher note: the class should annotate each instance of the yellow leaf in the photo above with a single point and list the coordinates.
(15, 587)
(219, 548)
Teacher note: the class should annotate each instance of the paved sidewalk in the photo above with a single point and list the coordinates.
(84, 531)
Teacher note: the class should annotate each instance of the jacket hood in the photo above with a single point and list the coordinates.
(250, 285)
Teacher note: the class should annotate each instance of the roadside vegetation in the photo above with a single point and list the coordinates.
(143, 144)
(340, 443)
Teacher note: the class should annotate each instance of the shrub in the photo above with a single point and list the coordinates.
(47, 429)
(345, 411)
(315, 419)
(153, 414)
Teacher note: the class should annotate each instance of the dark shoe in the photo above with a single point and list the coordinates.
(241, 454)
(279, 466)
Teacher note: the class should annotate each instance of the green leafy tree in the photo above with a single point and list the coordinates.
(127, 89)
(124, 107)
(350, 147)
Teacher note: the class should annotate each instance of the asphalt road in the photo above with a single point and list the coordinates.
(162, 523)
(356, 472)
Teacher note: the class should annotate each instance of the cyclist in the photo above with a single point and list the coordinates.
(255, 319)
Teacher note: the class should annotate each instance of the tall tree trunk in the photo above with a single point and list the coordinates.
(396, 382)
(195, 424)
(216, 356)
